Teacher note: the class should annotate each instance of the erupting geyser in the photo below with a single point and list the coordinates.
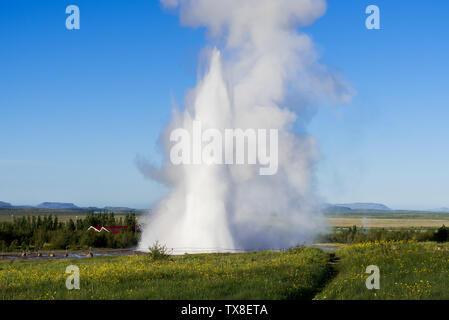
(262, 63)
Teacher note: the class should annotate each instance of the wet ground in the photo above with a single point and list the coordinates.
(80, 254)
(69, 254)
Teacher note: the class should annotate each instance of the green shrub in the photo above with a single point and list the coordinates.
(159, 252)
(297, 249)
(442, 234)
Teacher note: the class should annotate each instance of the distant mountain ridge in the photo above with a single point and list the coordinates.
(5, 204)
(61, 206)
(119, 208)
(364, 206)
(348, 208)
(57, 205)
(442, 209)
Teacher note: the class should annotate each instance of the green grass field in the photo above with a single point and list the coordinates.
(261, 275)
(407, 271)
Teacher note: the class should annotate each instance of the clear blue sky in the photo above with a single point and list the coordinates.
(76, 107)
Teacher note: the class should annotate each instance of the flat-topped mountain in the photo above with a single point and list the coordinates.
(57, 205)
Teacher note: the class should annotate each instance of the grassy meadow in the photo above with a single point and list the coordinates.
(408, 270)
(296, 274)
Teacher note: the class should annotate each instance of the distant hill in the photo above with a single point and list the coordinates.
(442, 209)
(364, 206)
(333, 209)
(5, 205)
(57, 205)
(119, 209)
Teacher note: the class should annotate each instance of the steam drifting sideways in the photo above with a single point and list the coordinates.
(264, 75)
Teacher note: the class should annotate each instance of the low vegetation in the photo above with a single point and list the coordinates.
(299, 274)
(159, 252)
(359, 235)
(408, 270)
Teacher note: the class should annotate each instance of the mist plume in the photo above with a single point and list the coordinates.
(262, 72)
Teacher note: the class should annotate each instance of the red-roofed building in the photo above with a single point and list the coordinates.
(111, 229)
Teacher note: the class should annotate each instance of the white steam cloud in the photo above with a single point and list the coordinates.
(263, 62)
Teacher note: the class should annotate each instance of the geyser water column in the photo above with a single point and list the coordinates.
(264, 62)
(198, 221)
(205, 224)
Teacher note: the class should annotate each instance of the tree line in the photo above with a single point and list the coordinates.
(357, 235)
(48, 232)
